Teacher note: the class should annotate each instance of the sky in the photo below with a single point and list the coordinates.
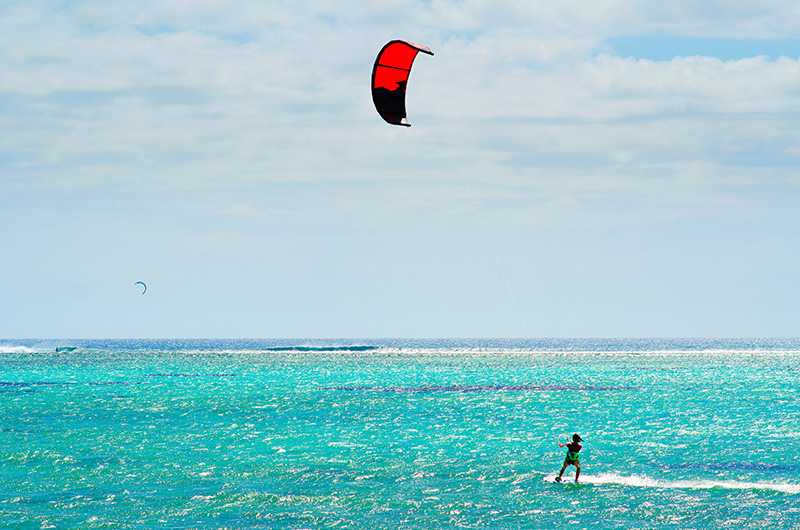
(587, 168)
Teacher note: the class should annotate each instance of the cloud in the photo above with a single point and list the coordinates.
(208, 96)
(233, 75)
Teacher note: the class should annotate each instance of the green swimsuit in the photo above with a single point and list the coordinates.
(572, 457)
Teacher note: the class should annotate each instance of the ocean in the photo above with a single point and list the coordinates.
(399, 434)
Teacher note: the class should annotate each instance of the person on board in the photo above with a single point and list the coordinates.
(572, 457)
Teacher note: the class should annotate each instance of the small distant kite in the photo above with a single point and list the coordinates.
(389, 79)
(143, 285)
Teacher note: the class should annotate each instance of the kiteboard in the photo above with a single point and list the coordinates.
(564, 480)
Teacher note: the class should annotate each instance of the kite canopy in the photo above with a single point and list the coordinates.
(389, 78)
(143, 285)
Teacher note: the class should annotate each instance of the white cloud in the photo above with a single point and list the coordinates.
(206, 94)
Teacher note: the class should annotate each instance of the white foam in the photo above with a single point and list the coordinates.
(641, 481)
(7, 348)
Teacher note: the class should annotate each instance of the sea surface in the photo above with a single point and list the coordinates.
(399, 434)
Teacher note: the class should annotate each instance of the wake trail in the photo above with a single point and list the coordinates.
(640, 481)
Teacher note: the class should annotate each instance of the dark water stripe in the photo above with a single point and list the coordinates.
(16, 384)
(36, 383)
(191, 375)
(737, 466)
(483, 388)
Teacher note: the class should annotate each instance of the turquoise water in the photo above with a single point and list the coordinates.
(426, 434)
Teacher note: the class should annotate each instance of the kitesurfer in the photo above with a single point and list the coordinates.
(573, 449)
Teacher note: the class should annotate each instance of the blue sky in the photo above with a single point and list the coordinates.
(583, 169)
(659, 47)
